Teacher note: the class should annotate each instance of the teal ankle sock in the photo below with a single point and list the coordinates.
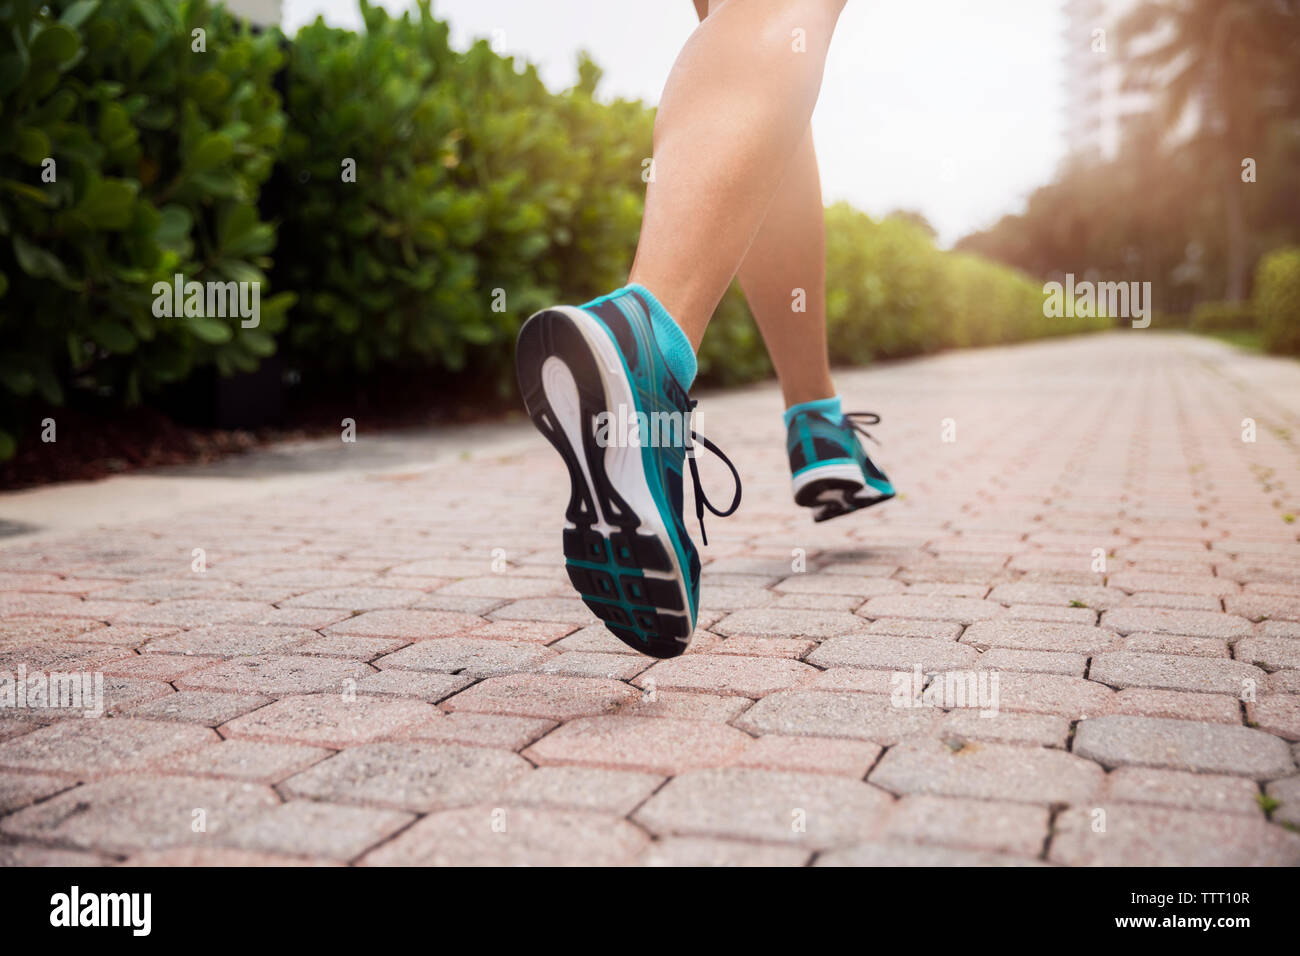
(672, 341)
(828, 408)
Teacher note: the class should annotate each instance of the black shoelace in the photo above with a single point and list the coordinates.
(702, 502)
(856, 420)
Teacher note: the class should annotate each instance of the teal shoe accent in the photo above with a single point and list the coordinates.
(597, 385)
(831, 471)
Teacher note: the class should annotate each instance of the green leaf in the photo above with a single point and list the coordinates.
(40, 263)
(212, 331)
(211, 150)
(78, 13)
(55, 44)
(111, 336)
(108, 203)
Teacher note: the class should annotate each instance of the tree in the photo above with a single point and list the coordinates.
(1229, 66)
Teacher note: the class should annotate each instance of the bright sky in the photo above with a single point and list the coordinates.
(950, 107)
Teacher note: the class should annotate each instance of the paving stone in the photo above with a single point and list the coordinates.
(230, 640)
(155, 667)
(595, 638)
(206, 707)
(725, 674)
(307, 828)
(408, 624)
(1069, 697)
(249, 760)
(843, 758)
(1259, 607)
(1287, 793)
(276, 674)
(1033, 662)
(1061, 595)
(540, 695)
(1121, 741)
(473, 658)
(488, 836)
(1171, 672)
(1276, 713)
(537, 632)
(686, 706)
(783, 622)
(1059, 615)
(814, 583)
(127, 813)
(1175, 644)
(30, 854)
(1040, 636)
(811, 810)
(906, 627)
(1005, 728)
(1159, 836)
(997, 826)
(961, 610)
(192, 612)
(331, 720)
(19, 789)
(89, 747)
(661, 745)
(1181, 602)
(1174, 583)
(568, 610)
(818, 602)
(700, 851)
(1127, 620)
(857, 716)
(617, 792)
(351, 648)
(1208, 708)
(788, 648)
(484, 730)
(855, 679)
(893, 653)
(587, 664)
(1269, 652)
(426, 687)
(987, 771)
(418, 777)
(1184, 791)
(218, 856)
(909, 854)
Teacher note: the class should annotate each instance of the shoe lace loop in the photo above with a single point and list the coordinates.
(856, 421)
(701, 501)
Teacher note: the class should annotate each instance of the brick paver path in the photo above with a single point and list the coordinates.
(393, 669)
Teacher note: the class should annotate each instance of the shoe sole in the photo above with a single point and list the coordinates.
(618, 550)
(835, 490)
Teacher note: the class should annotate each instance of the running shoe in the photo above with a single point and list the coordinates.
(596, 385)
(832, 472)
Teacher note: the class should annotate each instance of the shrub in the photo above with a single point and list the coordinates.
(479, 195)
(1277, 300)
(1223, 317)
(126, 157)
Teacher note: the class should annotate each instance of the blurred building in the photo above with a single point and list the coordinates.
(262, 13)
(1099, 105)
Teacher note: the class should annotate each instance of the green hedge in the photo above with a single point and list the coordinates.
(470, 177)
(1223, 317)
(1277, 300)
(479, 196)
(158, 152)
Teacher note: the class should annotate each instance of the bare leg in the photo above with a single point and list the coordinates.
(733, 114)
(785, 270)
